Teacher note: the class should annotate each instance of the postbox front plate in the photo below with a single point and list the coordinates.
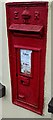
(27, 36)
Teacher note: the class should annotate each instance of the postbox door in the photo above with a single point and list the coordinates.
(28, 76)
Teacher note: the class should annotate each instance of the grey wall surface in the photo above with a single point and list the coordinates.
(0, 56)
(52, 49)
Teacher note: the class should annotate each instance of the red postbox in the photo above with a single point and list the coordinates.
(27, 36)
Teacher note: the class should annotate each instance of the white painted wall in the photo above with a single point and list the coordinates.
(0, 56)
(52, 48)
(8, 109)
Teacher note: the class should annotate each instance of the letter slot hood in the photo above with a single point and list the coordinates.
(33, 29)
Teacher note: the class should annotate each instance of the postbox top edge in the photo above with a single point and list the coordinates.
(35, 3)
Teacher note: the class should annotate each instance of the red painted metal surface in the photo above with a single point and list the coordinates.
(27, 30)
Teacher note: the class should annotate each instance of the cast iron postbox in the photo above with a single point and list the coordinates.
(27, 36)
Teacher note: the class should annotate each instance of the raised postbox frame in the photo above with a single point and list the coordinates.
(27, 21)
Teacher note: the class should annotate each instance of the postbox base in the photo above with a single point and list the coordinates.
(27, 107)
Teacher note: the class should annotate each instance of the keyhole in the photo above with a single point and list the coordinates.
(22, 81)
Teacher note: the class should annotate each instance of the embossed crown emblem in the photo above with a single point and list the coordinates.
(26, 15)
